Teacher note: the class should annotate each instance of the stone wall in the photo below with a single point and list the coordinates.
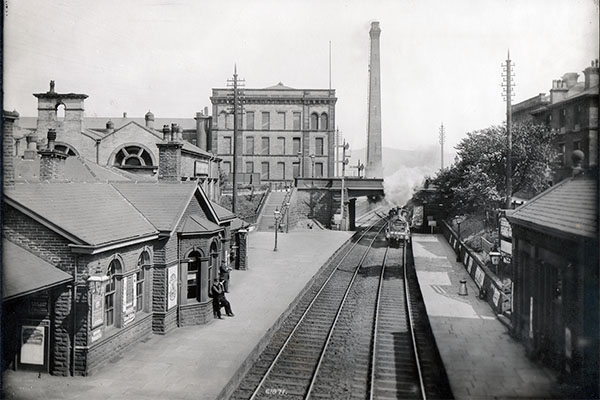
(313, 204)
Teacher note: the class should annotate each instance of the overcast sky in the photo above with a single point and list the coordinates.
(440, 60)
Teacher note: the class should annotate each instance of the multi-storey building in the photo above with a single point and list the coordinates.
(284, 133)
(571, 109)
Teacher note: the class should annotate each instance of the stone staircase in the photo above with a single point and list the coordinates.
(266, 220)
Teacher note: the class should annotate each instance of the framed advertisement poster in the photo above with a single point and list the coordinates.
(34, 347)
(172, 279)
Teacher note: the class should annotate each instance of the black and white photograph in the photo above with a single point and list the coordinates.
(336, 199)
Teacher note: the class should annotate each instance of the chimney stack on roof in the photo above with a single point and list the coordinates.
(570, 78)
(591, 75)
(52, 162)
(149, 120)
(559, 91)
(110, 127)
(30, 152)
(169, 155)
(202, 129)
(124, 115)
(8, 167)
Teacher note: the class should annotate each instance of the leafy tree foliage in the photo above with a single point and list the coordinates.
(477, 179)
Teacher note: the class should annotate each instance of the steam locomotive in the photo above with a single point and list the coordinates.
(397, 229)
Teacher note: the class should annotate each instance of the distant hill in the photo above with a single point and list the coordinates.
(404, 169)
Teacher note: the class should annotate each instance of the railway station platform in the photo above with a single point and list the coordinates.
(197, 362)
(481, 359)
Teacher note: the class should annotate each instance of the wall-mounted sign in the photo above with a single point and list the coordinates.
(505, 228)
(39, 305)
(128, 299)
(97, 309)
(505, 247)
(32, 345)
(479, 276)
(96, 334)
(172, 280)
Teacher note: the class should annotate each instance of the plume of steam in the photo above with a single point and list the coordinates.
(399, 186)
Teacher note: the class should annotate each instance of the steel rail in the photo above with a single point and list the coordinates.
(411, 325)
(375, 329)
(337, 315)
(308, 308)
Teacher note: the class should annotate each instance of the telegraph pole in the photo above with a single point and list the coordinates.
(507, 86)
(345, 160)
(442, 140)
(237, 141)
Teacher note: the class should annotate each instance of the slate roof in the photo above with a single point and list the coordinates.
(24, 272)
(570, 208)
(162, 203)
(77, 169)
(222, 212)
(199, 224)
(93, 214)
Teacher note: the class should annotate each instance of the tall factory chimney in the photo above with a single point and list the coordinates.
(374, 166)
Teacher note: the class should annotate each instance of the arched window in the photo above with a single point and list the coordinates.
(111, 308)
(213, 268)
(133, 157)
(314, 121)
(324, 122)
(65, 148)
(143, 261)
(193, 276)
(60, 112)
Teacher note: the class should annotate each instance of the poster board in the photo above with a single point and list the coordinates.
(172, 284)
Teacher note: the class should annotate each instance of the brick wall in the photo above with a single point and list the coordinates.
(8, 150)
(169, 161)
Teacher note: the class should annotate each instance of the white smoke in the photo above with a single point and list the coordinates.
(399, 186)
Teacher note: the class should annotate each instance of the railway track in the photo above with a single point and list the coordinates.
(350, 338)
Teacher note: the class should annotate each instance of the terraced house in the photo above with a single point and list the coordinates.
(94, 262)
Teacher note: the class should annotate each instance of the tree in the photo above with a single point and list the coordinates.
(477, 179)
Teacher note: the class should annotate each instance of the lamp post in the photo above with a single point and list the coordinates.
(459, 221)
(287, 217)
(312, 162)
(277, 216)
(300, 164)
(495, 259)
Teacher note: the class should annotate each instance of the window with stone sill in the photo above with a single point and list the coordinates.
(143, 263)
(249, 120)
(111, 289)
(297, 121)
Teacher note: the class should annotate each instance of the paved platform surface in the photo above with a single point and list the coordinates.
(197, 362)
(481, 359)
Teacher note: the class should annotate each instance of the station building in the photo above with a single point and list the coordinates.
(125, 143)
(284, 133)
(571, 109)
(556, 283)
(94, 262)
